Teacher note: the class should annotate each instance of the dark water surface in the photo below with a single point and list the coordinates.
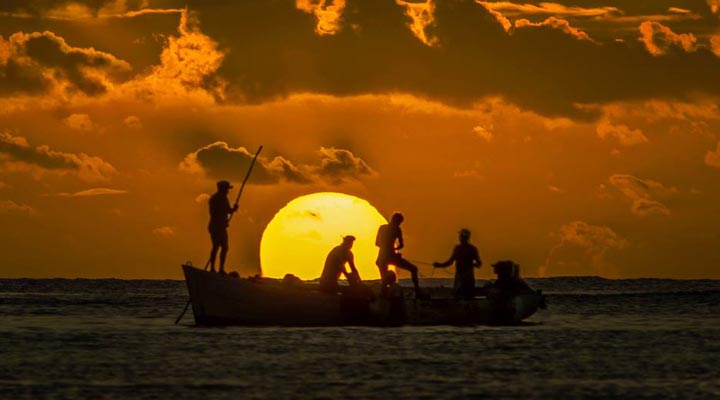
(107, 339)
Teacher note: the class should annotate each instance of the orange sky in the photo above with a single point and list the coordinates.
(574, 140)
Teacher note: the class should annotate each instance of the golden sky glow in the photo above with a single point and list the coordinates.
(573, 139)
(302, 233)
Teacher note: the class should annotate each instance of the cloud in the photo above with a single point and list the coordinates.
(421, 17)
(133, 122)
(484, 133)
(79, 122)
(16, 154)
(11, 207)
(202, 198)
(39, 61)
(622, 133)
(678, 10)
(327, 12)
(164, 232)
(642, 193)
(547, 8)
(93, 192)
(555, 23)
(220, 161)
(339, 165)
(714, 6)
(475, 59)
(594, 240)
(41, 69)
(712, 158)
(79, 10)
(659, 39)
(715, 44)
(188, 65)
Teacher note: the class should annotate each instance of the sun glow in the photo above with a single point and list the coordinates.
(301, 234)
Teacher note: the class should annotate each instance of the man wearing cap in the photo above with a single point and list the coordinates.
(466, 259)
(220, 211)
(335, 266)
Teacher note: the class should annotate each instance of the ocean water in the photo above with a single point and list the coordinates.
(598, 339)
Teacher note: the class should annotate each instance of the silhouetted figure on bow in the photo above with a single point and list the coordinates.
(389, 239)
(335, 266)
(220, 211)
(466, 259)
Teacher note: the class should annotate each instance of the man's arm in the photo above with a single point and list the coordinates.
(400, 243)
(448, 262)
(351, 262)
(228, 208)
(477, 262)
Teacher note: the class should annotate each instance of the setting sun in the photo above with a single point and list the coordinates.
(301, 234)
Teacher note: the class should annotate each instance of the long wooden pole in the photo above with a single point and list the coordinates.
(237, 200)
(252, 164)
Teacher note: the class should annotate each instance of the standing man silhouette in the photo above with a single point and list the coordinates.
(466, 259)
(389, 239)
(220, 211)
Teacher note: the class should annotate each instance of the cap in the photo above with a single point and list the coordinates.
(224, 184)
(349, 238)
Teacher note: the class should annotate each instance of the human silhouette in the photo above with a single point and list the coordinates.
(335, 266)
(389, 240)
(466, 259)
(220, 211)
(508, 277)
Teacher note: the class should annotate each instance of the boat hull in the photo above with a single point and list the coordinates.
(224, 300)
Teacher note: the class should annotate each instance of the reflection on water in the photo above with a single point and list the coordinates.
(598, 339)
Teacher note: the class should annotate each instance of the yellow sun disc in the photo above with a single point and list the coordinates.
(299, 237)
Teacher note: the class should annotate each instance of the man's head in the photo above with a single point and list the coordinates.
(506, 269)
(224, 186)
(348, 241)
(397, 219)
(464, 235)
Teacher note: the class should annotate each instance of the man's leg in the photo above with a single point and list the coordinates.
(407, 265)
(223, 256)
(383, 268)
(213, 255)
(223, 250)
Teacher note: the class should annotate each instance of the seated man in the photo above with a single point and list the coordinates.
(466, 259)
(335, 266)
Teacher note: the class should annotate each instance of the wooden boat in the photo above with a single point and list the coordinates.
(225, 300)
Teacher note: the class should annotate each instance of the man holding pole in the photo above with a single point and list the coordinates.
(220, 213)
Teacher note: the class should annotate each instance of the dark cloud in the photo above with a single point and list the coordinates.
(339, 165)
(30, 63)
(374, 51)
(17, 154)
(44, 8)
(220, 161)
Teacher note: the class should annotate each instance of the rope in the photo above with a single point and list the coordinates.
(445, 270)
